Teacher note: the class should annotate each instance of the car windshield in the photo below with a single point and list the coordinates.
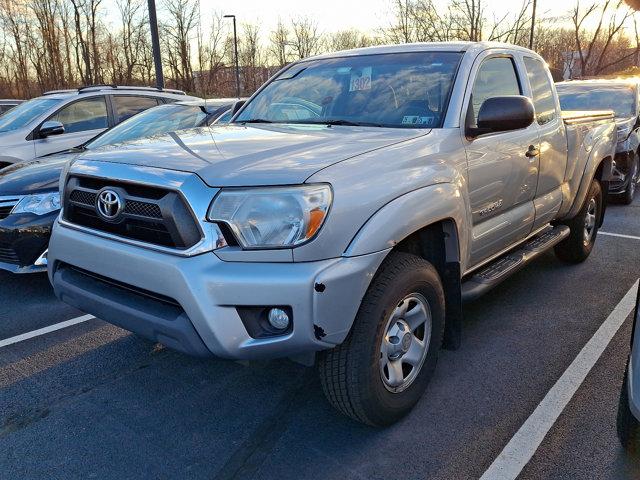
(406, 90)
(155, 121)
(619, 98)
(25, 113)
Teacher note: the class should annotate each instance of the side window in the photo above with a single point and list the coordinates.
(496, 77)
(87, 114)
(543, 99)
(127, 106)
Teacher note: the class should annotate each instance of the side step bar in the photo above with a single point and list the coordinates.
(503, 267)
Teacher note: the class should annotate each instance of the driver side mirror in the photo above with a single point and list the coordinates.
(503, 114)
(50, 127)
(237, 106)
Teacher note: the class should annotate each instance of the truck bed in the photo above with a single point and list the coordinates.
(573, 117)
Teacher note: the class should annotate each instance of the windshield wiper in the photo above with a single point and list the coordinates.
(256, 120)
(342, 122)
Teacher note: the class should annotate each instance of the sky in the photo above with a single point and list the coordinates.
(334, 15)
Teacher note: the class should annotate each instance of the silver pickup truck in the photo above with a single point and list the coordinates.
(343, 217)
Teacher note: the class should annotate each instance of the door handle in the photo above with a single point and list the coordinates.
(532, 152)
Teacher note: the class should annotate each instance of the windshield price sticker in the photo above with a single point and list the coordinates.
(360, 80)
(416, 120)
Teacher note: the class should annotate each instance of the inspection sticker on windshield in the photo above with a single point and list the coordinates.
(416, 120)
(360, 79)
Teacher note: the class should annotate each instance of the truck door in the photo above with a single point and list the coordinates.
(502, 167)
(553, 142)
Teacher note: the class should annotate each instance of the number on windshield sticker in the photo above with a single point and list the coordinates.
(360, 80)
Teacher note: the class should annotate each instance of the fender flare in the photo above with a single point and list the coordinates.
(601, 154)
(408, 214)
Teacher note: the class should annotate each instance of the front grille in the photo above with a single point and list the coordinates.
(83, 197)
(150, 214)
(7, 254)
(7, 204)
(143, 209)
(132, 207)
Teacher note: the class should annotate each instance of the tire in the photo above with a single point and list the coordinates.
(627, 197)
(627, 425)
(584, 226)
(361, 377)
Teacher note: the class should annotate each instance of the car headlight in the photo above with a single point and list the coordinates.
(623, 133)
(272, 217)
(38, 204)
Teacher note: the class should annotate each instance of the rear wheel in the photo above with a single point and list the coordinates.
(630, 192)
(584, 227)
(382, 369)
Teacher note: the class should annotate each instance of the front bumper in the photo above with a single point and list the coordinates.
(191, 303)
(23, 239)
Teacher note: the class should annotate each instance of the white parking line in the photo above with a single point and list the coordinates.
(45, 330)
(618, 235)
(522, 446)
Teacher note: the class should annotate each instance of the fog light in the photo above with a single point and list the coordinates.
(278, 318)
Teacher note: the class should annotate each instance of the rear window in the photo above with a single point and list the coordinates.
(127, 106)
(619, 98)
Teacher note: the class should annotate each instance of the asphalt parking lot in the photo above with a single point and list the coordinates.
(93, 401)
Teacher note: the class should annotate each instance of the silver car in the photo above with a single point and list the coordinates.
(64, 119)
(7, 104)
(622, 97)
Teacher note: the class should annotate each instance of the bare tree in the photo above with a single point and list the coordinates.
(251, 57)
(306, 39)
(468, 18)
(347, 39)
(133, 34)
(594, 47)
(280, 44)
(177, 31)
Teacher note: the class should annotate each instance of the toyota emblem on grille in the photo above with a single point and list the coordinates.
(109, 204)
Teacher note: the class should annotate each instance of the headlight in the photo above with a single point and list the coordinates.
(272, 217)
(39, 204)
(623, 133)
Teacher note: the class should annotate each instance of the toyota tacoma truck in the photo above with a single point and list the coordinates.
(343, 216)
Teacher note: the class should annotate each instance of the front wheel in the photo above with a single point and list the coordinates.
(382, 369)
(627, 425)
(584, 227)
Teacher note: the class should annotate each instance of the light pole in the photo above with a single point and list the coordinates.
(533, 24)
(155, 43)
(235, 49)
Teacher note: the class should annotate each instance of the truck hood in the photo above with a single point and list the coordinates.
(236, 155)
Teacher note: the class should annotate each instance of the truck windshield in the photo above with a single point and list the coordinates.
(619, 98)
(404, 90)
(23, 114)
(155, 121)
